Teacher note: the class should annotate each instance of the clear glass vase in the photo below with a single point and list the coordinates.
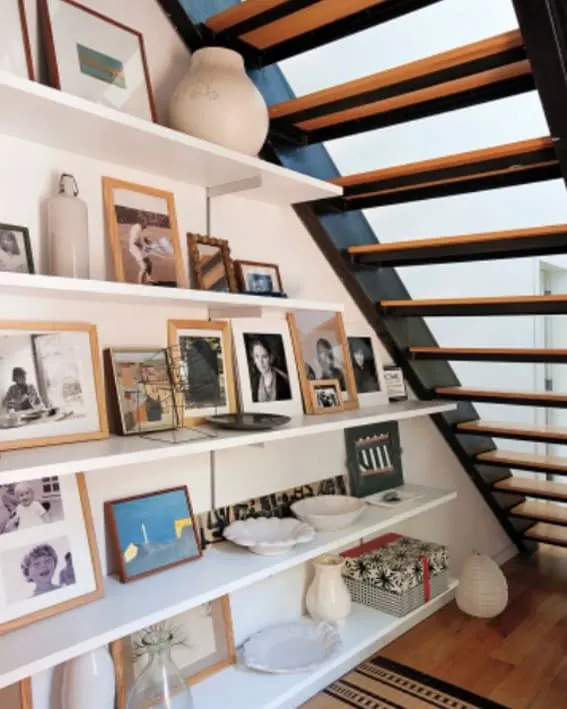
(160, 685)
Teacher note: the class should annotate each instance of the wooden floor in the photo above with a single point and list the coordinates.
(518, 659)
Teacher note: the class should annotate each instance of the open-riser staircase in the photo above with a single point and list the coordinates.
(534, 56)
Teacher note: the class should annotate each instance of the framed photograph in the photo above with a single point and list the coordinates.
(48, 556)
(144, 236)
(374, 458)
(322, 353)
(258, 278)
(15, 48)
(395, 383)
(15, 249)
(201, 355)
(50, 384)
(368, 371)
(97, 58)
(152, 532)
(211, 263)
(17, 696)
(326, 396)
(202, 645)
(143, 390)
(267, 376)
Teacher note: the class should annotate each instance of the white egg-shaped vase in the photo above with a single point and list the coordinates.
(217, 101)
(89, 681)
(483, 589)
(328, 598)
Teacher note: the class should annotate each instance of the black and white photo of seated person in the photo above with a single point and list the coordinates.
(267, 367)
(22, 401)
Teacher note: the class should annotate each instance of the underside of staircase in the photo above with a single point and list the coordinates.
(533, 57)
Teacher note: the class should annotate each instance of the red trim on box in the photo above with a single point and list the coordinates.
(426, 579)
(374, 544)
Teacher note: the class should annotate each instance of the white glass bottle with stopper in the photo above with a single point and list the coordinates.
(68, 227)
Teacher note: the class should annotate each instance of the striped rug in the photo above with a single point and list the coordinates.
(383, 684)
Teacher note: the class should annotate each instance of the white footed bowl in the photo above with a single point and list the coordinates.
(327, 513)
(269, 536)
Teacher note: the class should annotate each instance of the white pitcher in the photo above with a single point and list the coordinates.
(328, 598)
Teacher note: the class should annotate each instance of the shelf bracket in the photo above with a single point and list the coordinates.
(247, 183)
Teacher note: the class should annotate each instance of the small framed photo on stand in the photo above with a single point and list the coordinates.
(15, 249)
(256, 278)
(395, 383)
(326, 396)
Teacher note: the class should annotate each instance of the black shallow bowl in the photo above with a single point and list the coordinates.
(248, 422)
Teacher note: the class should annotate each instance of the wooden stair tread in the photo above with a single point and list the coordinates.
(542, 511)
(454, 76)
(513, 458)
(503, 428)
(467, 392)
(499, 305)
(417, 302)
(532, 488)
(547, 533)
(490, 352)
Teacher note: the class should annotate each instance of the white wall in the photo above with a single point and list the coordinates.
(256, 231)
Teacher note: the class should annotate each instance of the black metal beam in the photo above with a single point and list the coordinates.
(489, 397)
(543, 305)
(189, 32)
(495, 355)
(543, 24)
(430, 253)
(356, 22)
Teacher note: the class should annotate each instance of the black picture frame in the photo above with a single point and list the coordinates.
(374, 458)
(24, 231)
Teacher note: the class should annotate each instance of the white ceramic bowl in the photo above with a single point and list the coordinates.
(327, 513)
(269, 536)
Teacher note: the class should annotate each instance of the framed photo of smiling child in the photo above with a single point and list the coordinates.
(48, 557)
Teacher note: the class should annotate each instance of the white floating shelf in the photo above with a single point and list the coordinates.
(102, 133)
(364, 632)
(223, 569)
(38, 286)
(116, 451)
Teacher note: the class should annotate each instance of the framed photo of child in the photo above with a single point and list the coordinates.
(48, 556)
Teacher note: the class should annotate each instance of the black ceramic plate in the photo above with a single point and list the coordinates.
(248, 422)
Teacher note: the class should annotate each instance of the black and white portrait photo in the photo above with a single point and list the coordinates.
(363, 364)
(31, 503)
(48, 384)
(259, 278)
(36, 569)
(267, 372)
(267, 366)
(260, 283)
(327, 396)
(15, 249)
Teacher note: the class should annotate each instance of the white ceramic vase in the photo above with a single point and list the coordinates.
(68, 227)
(88, 681)
(216, 101)
(483, 589)
(328, 598)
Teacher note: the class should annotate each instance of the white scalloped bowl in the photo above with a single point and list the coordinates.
(269, 536)
(327, 513)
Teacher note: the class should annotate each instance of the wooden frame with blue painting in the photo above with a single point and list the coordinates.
(152, 532)
(97, 58)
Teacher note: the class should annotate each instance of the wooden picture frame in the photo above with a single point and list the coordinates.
(221, 276)
(19, 59)
(132, 250)
(137, 403)
(118, 534)
(219, 397)
(105, 71)
(12, 247)
(244, 284)
(17, 696)
(42, 539)
(45, 411)
(222, 629)
(316, 404)
(309, 330)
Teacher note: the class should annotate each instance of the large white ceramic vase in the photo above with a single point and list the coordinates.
(328, 598)
(89, 682)
(217, 101)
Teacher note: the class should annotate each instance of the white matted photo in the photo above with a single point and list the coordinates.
(15, 51)
(267, 375)
(48, 557)
(367, 367)
(50, 384)
(15, 249)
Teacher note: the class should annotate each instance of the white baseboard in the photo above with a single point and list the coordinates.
(505, 554)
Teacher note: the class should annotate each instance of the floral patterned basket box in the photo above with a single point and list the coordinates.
(396, 574)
